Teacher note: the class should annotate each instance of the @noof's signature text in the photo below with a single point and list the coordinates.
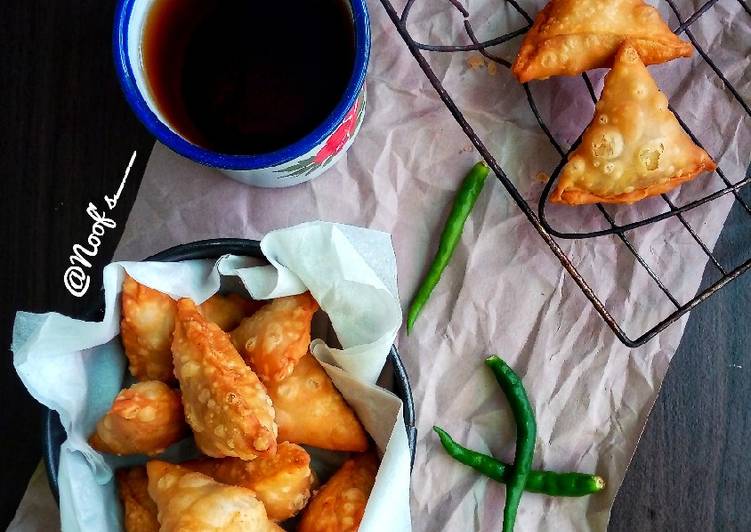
(76, 277)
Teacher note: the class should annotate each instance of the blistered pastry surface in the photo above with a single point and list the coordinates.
(225, 403)
(634, 147)
(340, 504)
(139, 510)
(283, 482)
(571, 36)
(276, 336)
(310, 410)
(228, 311)
(148, 318)
(192, 502)
(144, 419)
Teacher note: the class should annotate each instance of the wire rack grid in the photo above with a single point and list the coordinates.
(537, 217)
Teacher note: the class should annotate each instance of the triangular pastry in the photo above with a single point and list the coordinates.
(283, 482)
(225, 404)
(228, 311)
(310, 410)
(148, 318)
(634, 147)
(139, 510)
(571, 36)
(193, 502)
(276, 336)
(340, 504)
(143, 419)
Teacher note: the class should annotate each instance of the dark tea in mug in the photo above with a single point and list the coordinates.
(247, 77)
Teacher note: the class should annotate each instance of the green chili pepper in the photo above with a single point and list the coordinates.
(526, 432)
(463, 202)
(545, 482)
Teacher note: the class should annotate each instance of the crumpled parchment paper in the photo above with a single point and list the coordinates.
(504, 292)
(77, 367)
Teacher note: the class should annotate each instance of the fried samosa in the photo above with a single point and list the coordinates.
(310, 410)
(634, 147)
(228, 311)
(144, 419)
(282, 482)
(139, 510)
(340, 504)
(571, 36)
(225, 404)
(148, 318)
(274, 338)
(192, 502)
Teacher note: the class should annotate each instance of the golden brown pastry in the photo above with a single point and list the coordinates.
(144, 419)
(274, 338)
(193, 502)
(634, 147)
(282, 482)
(225, 404)
(340, 504)
(148, 318)
(139, 510)
(571, 36)
(228, 311)
(310, 410)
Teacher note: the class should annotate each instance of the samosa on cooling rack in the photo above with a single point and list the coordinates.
(569, 37)
(634, 147)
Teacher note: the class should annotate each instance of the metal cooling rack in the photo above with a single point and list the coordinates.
(538, 219)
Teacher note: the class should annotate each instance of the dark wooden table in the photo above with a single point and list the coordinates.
(66, 140)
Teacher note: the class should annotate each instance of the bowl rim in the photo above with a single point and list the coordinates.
(53, 433)
(163, 133)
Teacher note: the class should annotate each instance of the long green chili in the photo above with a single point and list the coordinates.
(463, 202)
(526, 432)
(545, 482)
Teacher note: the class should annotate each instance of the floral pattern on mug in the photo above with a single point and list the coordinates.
(333, 145)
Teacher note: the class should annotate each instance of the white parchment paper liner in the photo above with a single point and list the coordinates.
(77, 367)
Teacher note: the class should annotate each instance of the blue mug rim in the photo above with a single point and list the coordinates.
(226, 161)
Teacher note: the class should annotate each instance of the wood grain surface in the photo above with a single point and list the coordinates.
(66, 138)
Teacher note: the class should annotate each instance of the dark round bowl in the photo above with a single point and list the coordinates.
(53, 434)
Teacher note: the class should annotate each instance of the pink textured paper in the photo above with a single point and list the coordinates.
(504, 292)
